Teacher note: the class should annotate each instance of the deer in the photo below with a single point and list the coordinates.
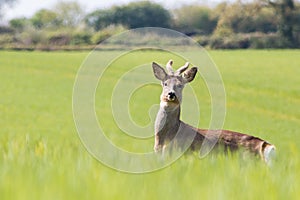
(170, 130)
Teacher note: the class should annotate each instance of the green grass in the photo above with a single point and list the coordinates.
(41, 156)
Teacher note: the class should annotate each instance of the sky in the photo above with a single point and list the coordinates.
(26, 8)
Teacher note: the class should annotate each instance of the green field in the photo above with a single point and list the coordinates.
(42, 157)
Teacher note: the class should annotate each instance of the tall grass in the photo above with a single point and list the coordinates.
(41, 156)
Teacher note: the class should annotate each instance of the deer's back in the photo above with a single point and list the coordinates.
(229, 140)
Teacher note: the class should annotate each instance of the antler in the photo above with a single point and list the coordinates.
(182, 69)
(178, 71)
(169, 67)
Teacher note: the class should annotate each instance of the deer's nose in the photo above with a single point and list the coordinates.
(171, 96)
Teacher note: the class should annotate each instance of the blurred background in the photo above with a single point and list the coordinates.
(72, 25)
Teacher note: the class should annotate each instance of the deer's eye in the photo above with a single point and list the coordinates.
(179, 86)
(165, 84)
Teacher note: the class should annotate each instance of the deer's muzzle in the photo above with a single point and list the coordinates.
(171, 96)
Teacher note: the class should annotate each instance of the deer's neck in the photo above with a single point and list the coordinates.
(167, 121)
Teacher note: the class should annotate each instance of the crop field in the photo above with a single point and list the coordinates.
(42, 157)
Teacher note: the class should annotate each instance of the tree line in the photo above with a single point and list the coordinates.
(239, 24)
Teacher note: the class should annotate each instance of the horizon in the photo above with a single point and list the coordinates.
(27, 8)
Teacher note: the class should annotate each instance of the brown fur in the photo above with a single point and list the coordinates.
(230, 140)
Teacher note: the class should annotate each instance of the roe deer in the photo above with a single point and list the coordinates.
(168, 122)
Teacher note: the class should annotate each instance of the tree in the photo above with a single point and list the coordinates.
(265, 20)
(70, 14)
(195, 19)
(133, 15)
(18, 24)
(100, 19)
(45, 18)
(143, 14)
(245, 17)
(286, 11)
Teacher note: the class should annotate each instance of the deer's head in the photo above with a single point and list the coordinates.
(173, 82)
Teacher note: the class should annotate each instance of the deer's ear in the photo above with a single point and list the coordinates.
(159, 72)
(190, 74)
